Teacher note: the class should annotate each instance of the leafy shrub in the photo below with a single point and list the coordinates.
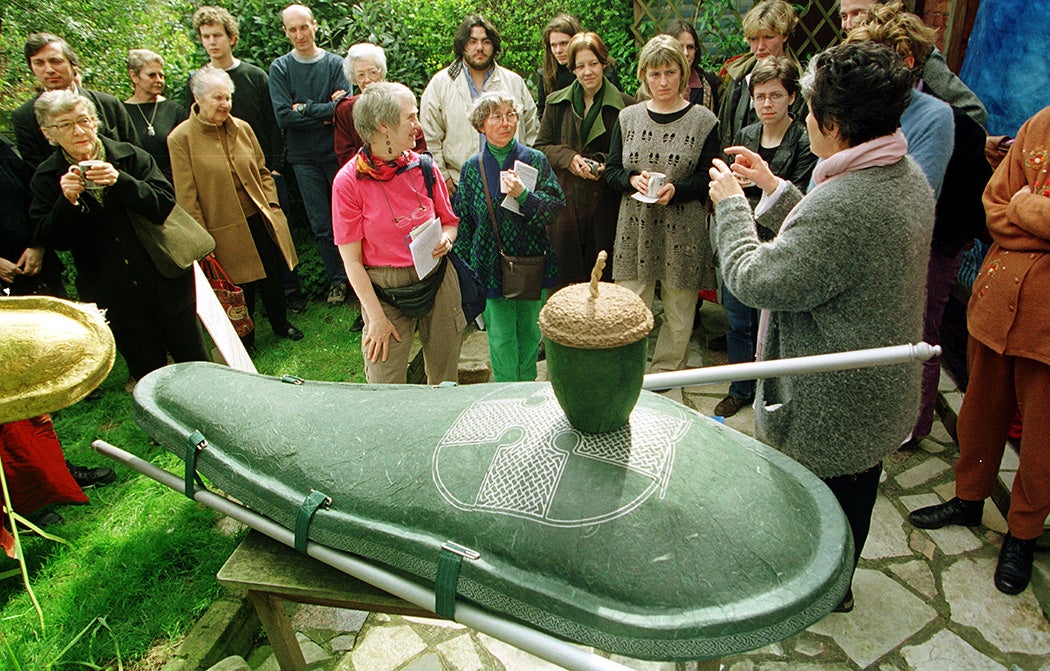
(101, 32)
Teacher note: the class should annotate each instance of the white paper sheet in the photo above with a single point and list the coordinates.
(528, 176)
(424, 238)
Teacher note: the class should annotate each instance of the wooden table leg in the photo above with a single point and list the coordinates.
(279, 630)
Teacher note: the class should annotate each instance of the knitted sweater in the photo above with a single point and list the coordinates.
(309, 132)
(522, 234)
(665, 242)
(846, 271)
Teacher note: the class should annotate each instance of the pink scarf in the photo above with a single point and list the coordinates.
(885, 150)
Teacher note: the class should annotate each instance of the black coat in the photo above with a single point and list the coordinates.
(792, 160)
(113, 268)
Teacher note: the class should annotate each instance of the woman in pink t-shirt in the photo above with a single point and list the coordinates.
(378, 198)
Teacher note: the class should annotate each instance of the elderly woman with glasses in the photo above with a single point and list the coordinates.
(844, 272)
(152, 115)
(783, 143)
(364, 64)
(379, 199)
(488, 180)
(86, 209)
(222, 180)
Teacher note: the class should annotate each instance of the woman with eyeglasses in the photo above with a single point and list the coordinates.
(364, 64)
(488, 227)
(574, 136)
(379, 198)
(767, 27)
(86, 209)
(783, 143)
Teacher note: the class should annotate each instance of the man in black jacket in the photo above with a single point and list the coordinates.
(55, 66)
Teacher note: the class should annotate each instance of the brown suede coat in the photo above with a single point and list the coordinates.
(1009, 309)
(204, 186)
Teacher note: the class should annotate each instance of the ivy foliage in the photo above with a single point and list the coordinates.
(101, 32)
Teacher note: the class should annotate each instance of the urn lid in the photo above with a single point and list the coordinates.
(595, 315)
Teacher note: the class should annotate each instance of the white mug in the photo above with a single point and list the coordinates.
(82, 168)
(656, 182)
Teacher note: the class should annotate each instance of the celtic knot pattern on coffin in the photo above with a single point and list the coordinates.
(530, 453)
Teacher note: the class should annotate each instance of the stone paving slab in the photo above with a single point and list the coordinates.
(886, 615)
(947, 652)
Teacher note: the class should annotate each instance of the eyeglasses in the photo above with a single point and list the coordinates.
(83, 123)
(771, 97)
(372, 74)
(509, 117)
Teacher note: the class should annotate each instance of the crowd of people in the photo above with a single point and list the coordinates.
(814, 199)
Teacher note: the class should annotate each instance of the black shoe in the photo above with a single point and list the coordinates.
(956, 511)
(359, 324)
(296, 301)
(1014, 569)
(94, 394)
(846, 605)
(91, 477)
(290, 332)
(730, 405)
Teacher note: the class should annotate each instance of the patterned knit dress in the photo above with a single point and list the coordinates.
(664, 242)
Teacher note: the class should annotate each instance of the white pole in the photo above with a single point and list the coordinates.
(542, 645)
(818, 363)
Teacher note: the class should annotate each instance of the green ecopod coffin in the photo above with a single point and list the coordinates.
(671, 538)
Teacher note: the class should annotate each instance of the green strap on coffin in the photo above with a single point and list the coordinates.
(195, 443)
(311, 503)
(449, 561)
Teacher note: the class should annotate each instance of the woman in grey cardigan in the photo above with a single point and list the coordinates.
(845, 271)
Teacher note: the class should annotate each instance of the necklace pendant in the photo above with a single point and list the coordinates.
(150, 130)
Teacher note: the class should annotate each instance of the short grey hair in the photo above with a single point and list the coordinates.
(53, 103)
(364, 51)
(208, 76)
(140, 58)
(380, 103)
(489, 102)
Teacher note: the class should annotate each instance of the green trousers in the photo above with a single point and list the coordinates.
(514, 337)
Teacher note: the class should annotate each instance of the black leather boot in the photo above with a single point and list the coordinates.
(1014, 569)
(955, 511)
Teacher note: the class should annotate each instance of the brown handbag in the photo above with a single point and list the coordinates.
(230, 296)
(521, 277)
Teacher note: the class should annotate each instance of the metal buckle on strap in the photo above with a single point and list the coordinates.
(449, 562)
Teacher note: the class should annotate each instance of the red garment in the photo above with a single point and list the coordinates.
(347, 141)
(34, 466)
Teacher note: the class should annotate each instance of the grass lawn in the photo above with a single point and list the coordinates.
(140, 565)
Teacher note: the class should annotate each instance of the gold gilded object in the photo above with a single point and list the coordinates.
(53, 352)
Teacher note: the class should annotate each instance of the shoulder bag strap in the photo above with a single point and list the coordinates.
(488, 201)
